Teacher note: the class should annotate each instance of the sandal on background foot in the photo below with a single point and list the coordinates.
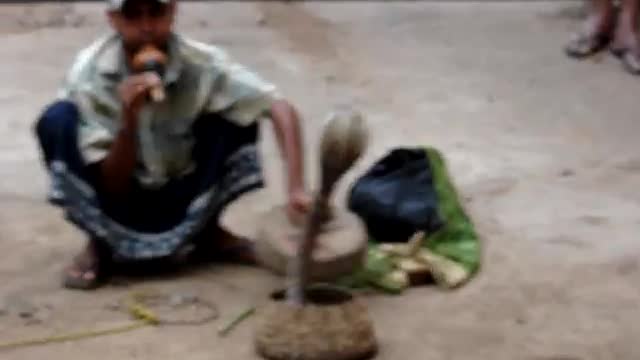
(630, 59)
(631, 62)
(584, 45)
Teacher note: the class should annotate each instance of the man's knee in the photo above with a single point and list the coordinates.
(57, 118)
(56, 130)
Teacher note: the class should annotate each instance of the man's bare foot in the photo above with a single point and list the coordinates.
(219, 245)
(596, 32)
(85, 272)
(234, 249)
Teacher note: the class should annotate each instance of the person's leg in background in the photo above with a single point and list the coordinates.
(626, 44)
(596, 32)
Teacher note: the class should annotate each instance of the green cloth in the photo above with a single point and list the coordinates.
(455, 247)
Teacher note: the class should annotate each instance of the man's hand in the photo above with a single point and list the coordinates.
(298, 206)
(134, 90)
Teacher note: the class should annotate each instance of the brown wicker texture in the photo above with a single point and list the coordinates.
(332, 326)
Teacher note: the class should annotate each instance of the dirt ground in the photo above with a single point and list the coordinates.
(541, 147)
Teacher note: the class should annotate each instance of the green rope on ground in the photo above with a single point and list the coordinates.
(142, 314)
(236, 321)
(73, 337)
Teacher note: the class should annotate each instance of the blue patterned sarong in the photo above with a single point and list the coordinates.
(150, 223)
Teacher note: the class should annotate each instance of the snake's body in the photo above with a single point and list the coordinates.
(343, 141)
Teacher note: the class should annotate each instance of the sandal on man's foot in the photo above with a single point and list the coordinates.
(584, 45)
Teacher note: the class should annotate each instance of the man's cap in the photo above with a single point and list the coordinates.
(118, 4)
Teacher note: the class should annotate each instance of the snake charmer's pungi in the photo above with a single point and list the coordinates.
(147, 179)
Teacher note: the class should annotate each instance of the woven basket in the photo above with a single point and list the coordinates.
(332, 325)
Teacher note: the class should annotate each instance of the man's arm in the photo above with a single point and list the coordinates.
(116, 169)
(287, 129)
(242, 97)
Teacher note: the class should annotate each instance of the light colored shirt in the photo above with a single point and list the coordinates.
(199, 79)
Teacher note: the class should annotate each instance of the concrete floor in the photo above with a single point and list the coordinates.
(543, 149)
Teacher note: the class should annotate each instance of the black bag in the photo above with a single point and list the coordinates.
(396, 197)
